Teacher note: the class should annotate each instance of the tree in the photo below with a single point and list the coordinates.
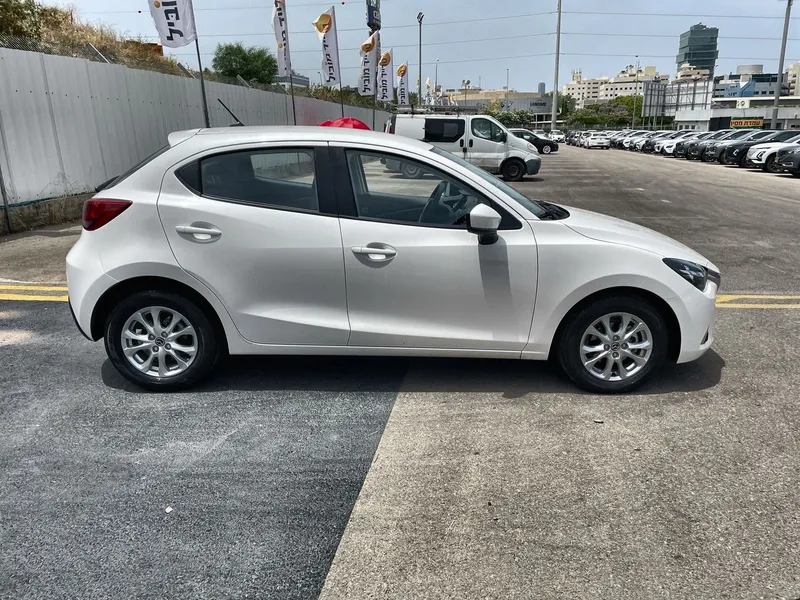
(20, 18)
(627, 102)
(253, 63)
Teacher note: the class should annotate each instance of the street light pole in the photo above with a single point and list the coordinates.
(420, 16)
(635, 95)
(506, 106)
(554, 115)
(436, 82)
(774, 124)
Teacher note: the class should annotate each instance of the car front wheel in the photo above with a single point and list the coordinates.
(161, 341)
(771, 166)
(513, 170)
(546, 150)
(613, 345)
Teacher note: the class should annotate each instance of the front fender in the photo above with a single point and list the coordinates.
(567, 276)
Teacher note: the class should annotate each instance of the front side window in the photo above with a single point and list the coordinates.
(273, 178)
(487, 130)
(400, 190)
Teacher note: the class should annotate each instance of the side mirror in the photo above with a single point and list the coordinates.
(503, 136)
(484, 222)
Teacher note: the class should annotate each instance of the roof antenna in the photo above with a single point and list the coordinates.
(230, 112)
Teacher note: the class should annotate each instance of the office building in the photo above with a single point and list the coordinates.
(698, 47)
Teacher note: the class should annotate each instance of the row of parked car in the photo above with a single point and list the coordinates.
(771, 150)
(589, 139)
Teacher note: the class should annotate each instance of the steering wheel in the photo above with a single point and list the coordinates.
(434, 203)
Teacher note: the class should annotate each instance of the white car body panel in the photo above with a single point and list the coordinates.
(759, 153)
(276, 278)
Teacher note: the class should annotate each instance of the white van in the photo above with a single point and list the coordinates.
(480, 139)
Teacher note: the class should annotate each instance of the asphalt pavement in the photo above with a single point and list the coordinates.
(368, 478)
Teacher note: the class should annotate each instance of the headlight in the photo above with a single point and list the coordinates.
(695, 274)
(795, 151)
(532, 148)
(760, 153)
(736, 151)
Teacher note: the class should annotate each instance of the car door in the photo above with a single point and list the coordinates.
(259, 227)
(416, 278)
(487, 144)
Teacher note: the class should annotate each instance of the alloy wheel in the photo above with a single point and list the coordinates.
(546, 150)
(616, 346)
(159, 342)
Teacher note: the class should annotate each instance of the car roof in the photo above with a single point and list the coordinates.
(202, 139)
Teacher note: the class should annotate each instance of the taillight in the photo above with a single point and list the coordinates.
(98, 212)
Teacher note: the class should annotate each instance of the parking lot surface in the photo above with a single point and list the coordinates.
(388, 478)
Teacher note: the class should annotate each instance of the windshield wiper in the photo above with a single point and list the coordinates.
(552, 212)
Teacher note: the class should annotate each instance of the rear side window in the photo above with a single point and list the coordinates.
(444, 130)
(272, 178)
(138, 166)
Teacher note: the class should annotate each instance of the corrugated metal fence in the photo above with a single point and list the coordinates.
(68, 124)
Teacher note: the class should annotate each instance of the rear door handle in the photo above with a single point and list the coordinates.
(200, 233)
(375, 252)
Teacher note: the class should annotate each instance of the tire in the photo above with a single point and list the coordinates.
(743, 161)
(128, 312)
(513, 170)
(575, 332)
(546, 150)
(770, 166)
(410, 171)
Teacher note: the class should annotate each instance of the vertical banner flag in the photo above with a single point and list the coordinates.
(369, 66)
(326, 30)
(281, 28)
(386, 77)
(402, 84)
(174, 21)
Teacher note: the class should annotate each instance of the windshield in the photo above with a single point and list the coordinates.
(531, 205)
(738, 134)
(761, 135)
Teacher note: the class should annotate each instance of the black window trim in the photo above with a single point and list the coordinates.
(347, 200)
(326, 203)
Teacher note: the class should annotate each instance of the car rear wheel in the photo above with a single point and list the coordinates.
(613, 345)
(546, 150)
(513, 170)
(161, 341)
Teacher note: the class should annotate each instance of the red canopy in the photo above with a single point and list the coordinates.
(347, 122)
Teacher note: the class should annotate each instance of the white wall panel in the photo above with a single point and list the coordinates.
(67, 124)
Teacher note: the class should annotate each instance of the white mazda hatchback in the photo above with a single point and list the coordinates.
(299, 240)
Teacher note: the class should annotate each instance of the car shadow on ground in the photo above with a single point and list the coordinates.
(512, 378)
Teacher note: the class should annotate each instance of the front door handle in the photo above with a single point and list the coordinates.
(200, 232)
(375, 252)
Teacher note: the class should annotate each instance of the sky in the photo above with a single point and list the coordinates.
(479, 40)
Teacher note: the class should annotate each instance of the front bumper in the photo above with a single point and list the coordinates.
(532, 165)
(790, 163)
(695, 311)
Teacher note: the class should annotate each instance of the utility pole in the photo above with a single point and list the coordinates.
(436, 83)
(554, 115)
(774, 124)
(635, 95)
(420, 16)
(506, 106)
